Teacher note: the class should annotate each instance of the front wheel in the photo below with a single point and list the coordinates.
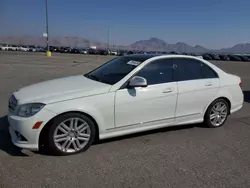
(70, 134)
(217, 113)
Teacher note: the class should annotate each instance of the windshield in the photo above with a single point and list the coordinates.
(116, 69)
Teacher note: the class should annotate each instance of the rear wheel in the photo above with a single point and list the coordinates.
(70, 134)
(217, 113)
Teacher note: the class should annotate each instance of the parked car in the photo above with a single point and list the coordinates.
(32, 48)
(128, 94)
(13, 48)
(75, 51)
(215, 57)
(23, 48)
(199, 56)
(207, 57)
(40, 49)
(64, 50)
(113, 53)
(242, 58)
(234, 58)
(121, 53)
(130, 52)
(103, 52)
(172, 52)
(83, 51)
(224, 57)
(54, 49)
(5, 47)
(93, 51)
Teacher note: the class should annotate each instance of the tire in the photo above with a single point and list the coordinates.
(211, 114)
(70, 138)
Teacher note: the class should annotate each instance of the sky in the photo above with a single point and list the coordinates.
(211, 23)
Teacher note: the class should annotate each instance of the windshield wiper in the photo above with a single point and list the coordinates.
(93, 77)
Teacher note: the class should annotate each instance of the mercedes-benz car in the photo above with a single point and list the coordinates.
(125, 95)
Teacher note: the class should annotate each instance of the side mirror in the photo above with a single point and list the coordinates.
(137, 81)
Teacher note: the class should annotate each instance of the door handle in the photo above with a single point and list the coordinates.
(208, 84)
(168, 90)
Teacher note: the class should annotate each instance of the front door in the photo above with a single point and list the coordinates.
(153, 104)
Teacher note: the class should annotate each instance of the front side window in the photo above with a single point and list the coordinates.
(191, 69)
(116, 69)
(158, 72)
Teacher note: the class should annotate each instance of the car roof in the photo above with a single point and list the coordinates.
(141, 57)
(144, 57)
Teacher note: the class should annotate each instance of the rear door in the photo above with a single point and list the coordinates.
(197, 86)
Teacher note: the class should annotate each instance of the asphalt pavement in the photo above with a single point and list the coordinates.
(182, 157)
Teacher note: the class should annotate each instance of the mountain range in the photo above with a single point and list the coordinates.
(152, 44)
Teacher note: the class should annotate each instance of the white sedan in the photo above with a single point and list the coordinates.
(126, 95)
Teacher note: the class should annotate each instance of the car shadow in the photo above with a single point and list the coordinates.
(7, 146)
(246, 96)
(5, 140)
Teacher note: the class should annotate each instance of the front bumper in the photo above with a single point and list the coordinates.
(21, 132)
(22, 144)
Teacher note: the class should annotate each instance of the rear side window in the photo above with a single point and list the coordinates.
(158, 72)
(191, 69)
(208, 72)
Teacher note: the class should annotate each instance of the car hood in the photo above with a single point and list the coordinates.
(60, 89)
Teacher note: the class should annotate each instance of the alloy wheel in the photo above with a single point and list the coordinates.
(218, 114)
(72, 135)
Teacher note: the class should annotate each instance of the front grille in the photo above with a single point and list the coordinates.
(12, 103)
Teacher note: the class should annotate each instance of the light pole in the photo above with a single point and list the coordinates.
(48, 53)
(108, 38)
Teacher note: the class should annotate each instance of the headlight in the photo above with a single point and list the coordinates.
(28, 110)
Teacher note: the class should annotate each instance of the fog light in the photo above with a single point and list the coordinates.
(20, 136)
